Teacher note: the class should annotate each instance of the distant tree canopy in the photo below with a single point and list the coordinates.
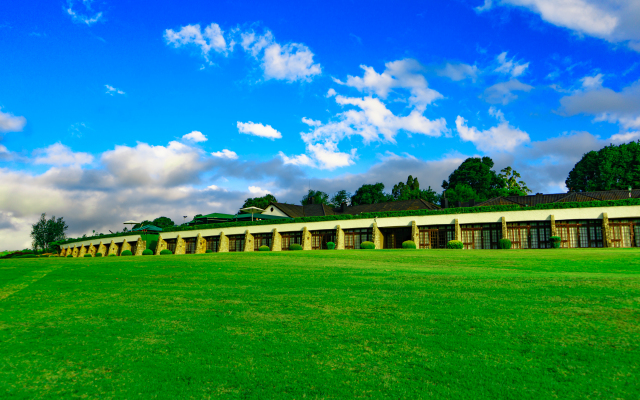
(339, 197)
(612, 167)
(411, 191)
(162, 222)
(370, 194)
(317, 196)
(143, 223)
(474, 179)
(260, 202)
(46, 231)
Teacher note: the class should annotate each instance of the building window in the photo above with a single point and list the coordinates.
(436, 236)
(289, 238)
(354, 237)
(580, 234)
(171, 245)
(262, 239)
(213, 243)
(319, 239)
(236, 243)
(190, 246)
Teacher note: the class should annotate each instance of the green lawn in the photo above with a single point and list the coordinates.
(333, 324)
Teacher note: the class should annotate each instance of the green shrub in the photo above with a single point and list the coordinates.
(126, 253)
(295, 246)
(165, 252)
(264, 248)
(147, 252)
(455, 244)
(88, 255)
(408, 244)
(98, 254)
(26, 256)
(331, 245)
(367, 245)
(112, 255)
(70, 256)
(504, 244)
(209, 251)
(556, 241)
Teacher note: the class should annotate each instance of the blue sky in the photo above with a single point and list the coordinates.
(114, 110)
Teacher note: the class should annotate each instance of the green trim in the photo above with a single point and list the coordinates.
(390, 214)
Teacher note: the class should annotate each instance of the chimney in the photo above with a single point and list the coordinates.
(445, 203)
(343, 207)
(458, 204)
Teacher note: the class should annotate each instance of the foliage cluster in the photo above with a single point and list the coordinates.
(612, 167)
(367, 245)
(147, 252)
(556, 241)
(295, 246)
(46, 231)
(165, 252)
(455, 244)
(504, 244)
(331, 245)
(126, 253)
(264, 248)
(408, 244)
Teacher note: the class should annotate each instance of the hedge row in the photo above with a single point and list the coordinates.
(389, 214)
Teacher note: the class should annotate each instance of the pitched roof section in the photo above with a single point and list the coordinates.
(320, 210)
(533, 200)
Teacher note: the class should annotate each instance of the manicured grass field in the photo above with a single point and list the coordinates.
(333, 324)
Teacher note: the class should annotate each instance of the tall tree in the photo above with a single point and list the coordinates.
(317, 196)
(260, 202)
(514, 186)
(46, 231)
(163, 222)
(339, 197)
(612, 167)
(370, 194)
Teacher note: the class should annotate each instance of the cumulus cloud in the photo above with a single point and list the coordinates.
(503, 92)
(606, 104)
(60, 155)
(615, 21)
(112, 90)
(257, 129)
(225, 154)
(510, 66)
(11, 123)
(458, 72)
(401, 74)
(311, 122)
(195, 136)
(289, 62)
(257, 191)
(500, 138)
(86, 15)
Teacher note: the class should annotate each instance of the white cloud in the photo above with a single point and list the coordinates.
(225, 154)
(195, 136)
(502, 92)
(510, 66)
(289, 62)
(500, 138)
(458, 72)
(401, 74)
(605, 104)
(87, 17)
(331, 93)
(212, 38)
(111, 90)
(257, 129)
(615, 21)
(311, 122)
(301, 160)
(11, 123)
(257, 191)
(59, 155)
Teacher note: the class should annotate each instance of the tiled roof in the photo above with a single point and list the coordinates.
(292, 210)
(536, 199)
(319, 210)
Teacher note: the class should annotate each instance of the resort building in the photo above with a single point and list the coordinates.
(586, 219)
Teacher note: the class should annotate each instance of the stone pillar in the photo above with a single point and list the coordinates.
(181, 246)
(553, 226)
(102, 249)
(63, 251)
(415, 234)
(306, 239)
(458, 231)
(223, 246)
(378, 239)
(606, 232)
(276, 241)
(75, 251)
(83, 251)
(201, 244)
(161, 245)
(141, 245)
(125, 246)
(92, 250)
(505, 233)
(339, 238)
(248, 241)
(113, 249)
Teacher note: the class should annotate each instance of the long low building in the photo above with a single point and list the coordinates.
(612, 222)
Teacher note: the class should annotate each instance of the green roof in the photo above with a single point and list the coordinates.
(151, 228)
(216, 215)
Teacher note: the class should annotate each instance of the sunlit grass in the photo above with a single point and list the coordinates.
(330, 324)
